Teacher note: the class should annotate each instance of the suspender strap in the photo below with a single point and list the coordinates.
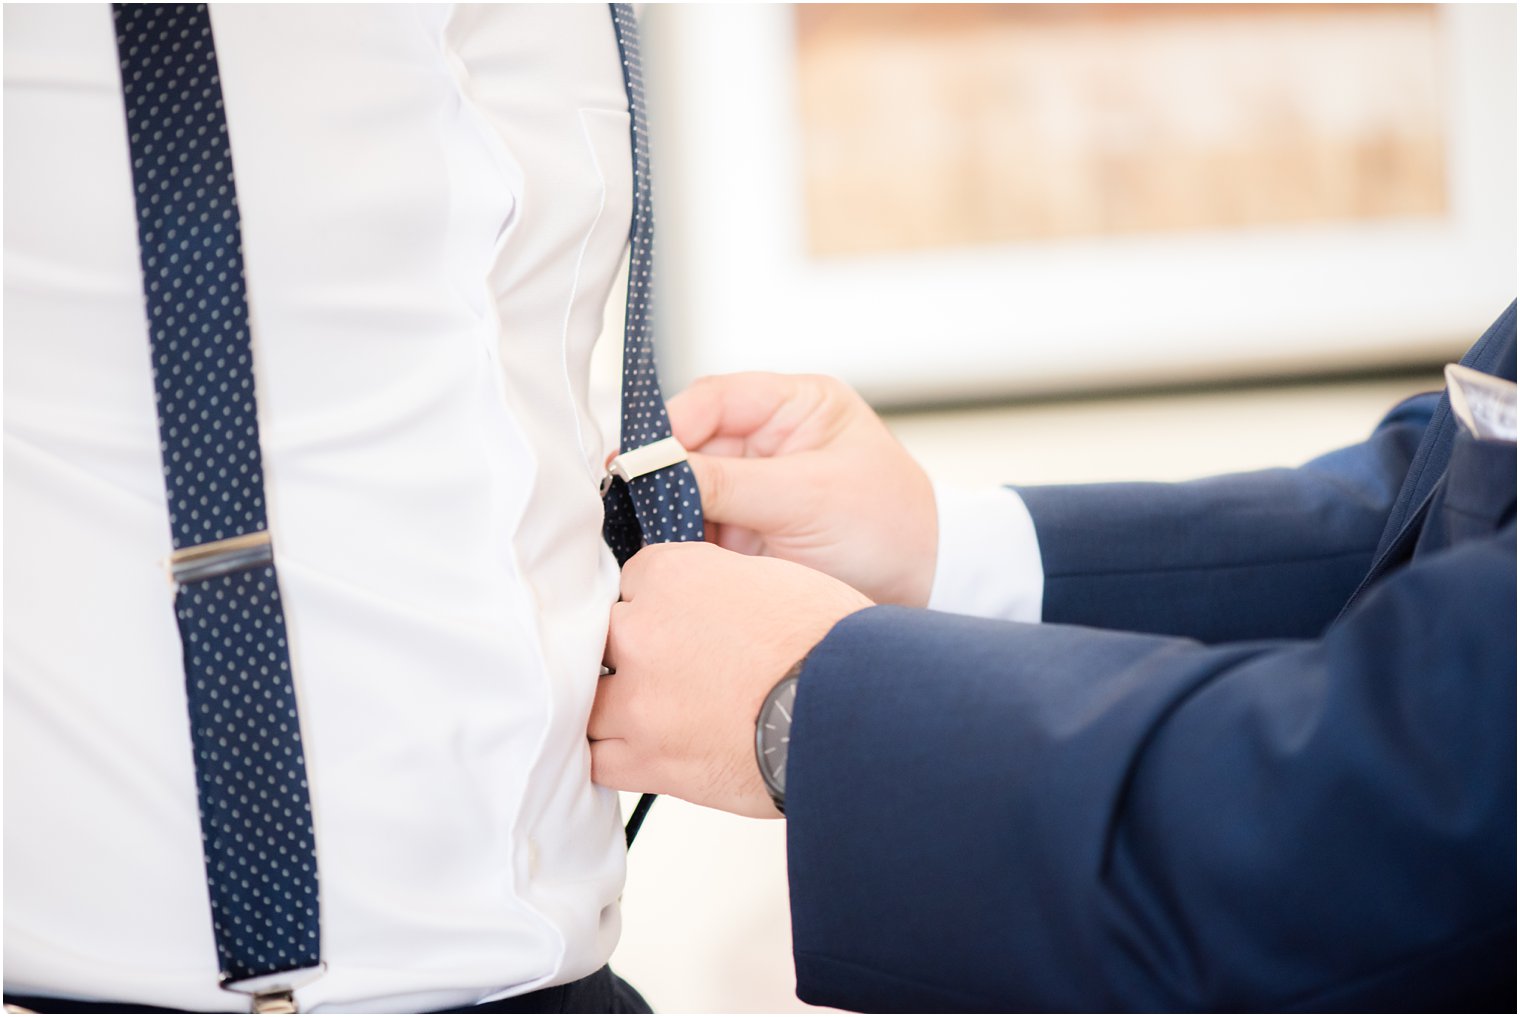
(652, 496)
(255, 812)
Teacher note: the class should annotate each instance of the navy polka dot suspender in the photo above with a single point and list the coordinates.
(255, 810)
(660, 505)
(255, 813)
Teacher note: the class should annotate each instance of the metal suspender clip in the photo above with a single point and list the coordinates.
(220, 557)
(637, 462)
(275, 1001)
(275, 993)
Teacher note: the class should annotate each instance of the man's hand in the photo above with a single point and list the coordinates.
(699, 638)
(799, 467)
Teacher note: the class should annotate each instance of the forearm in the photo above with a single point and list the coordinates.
(996, 816)
(1270, 554)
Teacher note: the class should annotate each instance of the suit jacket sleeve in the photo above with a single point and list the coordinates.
(1273, 553)
(995, 816)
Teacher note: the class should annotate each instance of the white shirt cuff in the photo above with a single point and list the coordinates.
(989, 557)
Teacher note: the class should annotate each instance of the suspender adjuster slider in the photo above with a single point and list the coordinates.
(221, 557)
(636, 462)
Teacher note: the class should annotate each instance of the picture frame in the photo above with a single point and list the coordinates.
(739, 290)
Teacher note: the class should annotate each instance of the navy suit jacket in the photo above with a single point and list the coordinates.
(1261, 757)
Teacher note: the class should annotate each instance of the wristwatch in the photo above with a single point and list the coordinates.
(773, 734)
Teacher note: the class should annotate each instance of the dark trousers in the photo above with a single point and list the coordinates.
(601, 992)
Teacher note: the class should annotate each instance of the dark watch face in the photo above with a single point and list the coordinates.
(774, 733)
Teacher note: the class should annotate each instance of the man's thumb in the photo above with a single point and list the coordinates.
(743, 491)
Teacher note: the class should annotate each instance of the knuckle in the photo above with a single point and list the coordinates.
(827, 385)
(654, 557)
(602, 770)
(622, 643)
(713, 483)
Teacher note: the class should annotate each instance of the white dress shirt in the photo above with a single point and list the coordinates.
(435, 202)
(988, 563)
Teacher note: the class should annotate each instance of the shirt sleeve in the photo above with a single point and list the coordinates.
(988, 563)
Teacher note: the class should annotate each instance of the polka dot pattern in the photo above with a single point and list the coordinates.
(260, 850)
(255, 810)
(664, 505)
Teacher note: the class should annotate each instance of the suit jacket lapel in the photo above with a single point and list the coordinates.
(1493, 354)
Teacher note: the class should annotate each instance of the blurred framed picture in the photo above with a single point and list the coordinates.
(950, 201)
